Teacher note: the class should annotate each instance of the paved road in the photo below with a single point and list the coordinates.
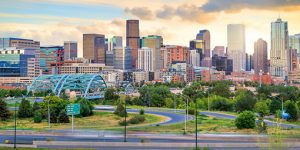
(173, 117)
(226, 116)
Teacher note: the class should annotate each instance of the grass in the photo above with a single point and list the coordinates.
(208, 124)
(99, 121)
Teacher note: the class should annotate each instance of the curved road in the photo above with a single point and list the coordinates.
(173, 117)
(232, 117)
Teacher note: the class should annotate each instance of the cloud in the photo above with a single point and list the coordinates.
(236, 5)
(141, 12)
(166, 12)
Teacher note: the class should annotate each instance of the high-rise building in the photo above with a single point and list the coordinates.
(205, 36)
(19, 43)
(155, 43)
(116, 41)
(236, 46)
(122, 58)
(133, 39)
(94, 47)
(279, 48)
(51, 58)
(145, 59)
(175, 53)
(199, 45)
(17, 62)
(249, 62)
(294, 43)
(260, 56)
(194, 58)
(219, 51)
(222, 63)
(70, 50)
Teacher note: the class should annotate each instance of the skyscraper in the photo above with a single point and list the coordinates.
(219, 51)
(133, 39)
(155, 43)
(194, 58)
(294, 43)
(279, 48)
(205, 36)
(145, 59)
(70, 50)
(260, 56)
(94, 47)
(236, 46)
(122, 58)
(199, 45)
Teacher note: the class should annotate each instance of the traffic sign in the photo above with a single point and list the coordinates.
(73, 109)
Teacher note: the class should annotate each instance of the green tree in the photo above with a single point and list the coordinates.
(291, 109)
(56, 104)
(4, 112)
(37, 116)
(35, 106)
(120, 111)
(169, 102)
(245, 100)
(110, 94)
(63, 117)
(275, 105)
(262, 108)
(25, 109)
(86, 107)
(220, 103)
(221, 89)
(245, 120)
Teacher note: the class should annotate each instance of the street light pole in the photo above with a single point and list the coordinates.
(196, 123)
(49, 114)
(15, 136)
(260, 73)
(125, 127)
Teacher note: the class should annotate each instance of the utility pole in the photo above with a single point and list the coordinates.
(125, 139)
(15, 136)
(196, 114)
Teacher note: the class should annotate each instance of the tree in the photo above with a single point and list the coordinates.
(275, 105)
(37, 116)
(220, 103)
(222, 89)
(120, 111)
(245, 100)
(35, 106)
(169, 102)
(291, 109)
(25, 109)
(4, 112)
(86, 107)
(56, 104)
(63, 117)
(245, 120)
(110, 94)
(262, 108)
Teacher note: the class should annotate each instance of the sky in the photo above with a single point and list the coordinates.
(54, 21)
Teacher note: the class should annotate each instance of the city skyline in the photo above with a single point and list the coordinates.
(52, 22)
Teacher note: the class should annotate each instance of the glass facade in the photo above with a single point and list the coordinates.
(51, 57)
(14, 65)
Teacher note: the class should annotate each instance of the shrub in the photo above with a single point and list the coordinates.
(86, 107)
(35, 106)
(245, 120)
(134, 120)
(220, 103)
(122, 123)
(120, 111)
(63, 117)
(262, 126)
(37, 117)
(262, 108)
(142, 112)
(25, 109)
(291, 109)
(137, 119)
(4, 112)
(245, 100)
